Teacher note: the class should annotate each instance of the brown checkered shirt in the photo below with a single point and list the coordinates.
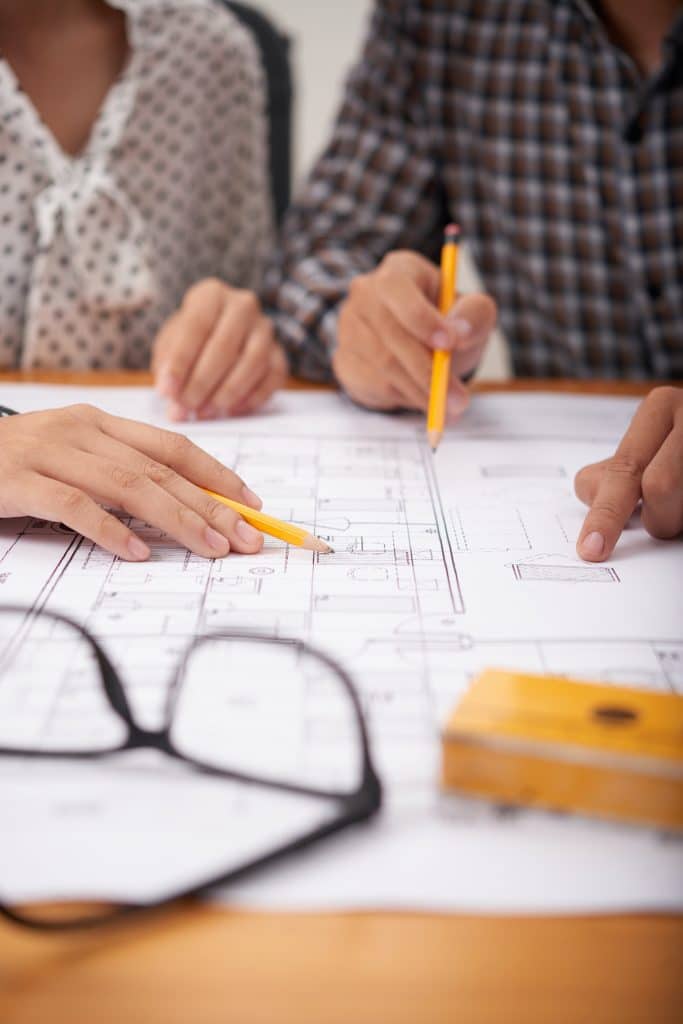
(522, 121)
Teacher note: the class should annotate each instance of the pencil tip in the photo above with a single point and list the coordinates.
(317, 544)
(434, 438)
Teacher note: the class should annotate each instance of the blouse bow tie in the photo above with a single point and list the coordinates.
(104, 235)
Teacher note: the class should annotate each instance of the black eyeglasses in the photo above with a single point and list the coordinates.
(262, 751)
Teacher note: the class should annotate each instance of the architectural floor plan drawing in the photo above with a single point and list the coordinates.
(442, 566)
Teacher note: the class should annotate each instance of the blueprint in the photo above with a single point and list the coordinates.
(442, 566)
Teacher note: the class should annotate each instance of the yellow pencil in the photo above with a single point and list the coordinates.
(441, 362)
(287, 532)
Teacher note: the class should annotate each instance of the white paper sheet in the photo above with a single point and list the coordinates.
(442, 566)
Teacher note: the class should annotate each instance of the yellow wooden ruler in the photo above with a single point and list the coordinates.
(552, 742)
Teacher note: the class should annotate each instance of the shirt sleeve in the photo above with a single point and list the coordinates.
(375, 188)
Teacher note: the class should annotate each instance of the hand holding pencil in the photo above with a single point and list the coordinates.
(389, 327)
(60, 443)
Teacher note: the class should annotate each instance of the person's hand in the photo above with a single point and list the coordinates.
(389, 327)
(217, 355)
(65, 464)
(647, 465)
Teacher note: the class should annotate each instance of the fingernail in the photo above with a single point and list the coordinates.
(246, 532)
(138, 549)
(251, 499)
(593, 545)
(167, 384)
(216, 540)
(441, 339)
(176, 412)
(462, 327)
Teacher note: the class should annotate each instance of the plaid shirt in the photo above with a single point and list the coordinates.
(522, 121)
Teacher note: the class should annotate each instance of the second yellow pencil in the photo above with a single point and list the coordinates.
(441, 361)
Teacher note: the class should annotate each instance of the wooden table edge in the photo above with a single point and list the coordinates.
(142, 378)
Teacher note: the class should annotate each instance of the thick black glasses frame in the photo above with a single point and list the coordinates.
(354, 807)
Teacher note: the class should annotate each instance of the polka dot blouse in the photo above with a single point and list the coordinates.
(97, 250)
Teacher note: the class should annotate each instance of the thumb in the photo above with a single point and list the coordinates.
(472, 318)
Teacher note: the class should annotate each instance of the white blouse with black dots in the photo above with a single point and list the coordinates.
(172, 186)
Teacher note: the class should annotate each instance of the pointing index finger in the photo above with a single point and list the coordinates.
(620, 486)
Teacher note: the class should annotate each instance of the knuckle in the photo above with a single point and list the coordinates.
(397, 258)
(212, 510)
(359, 286)
(247, 301)
(660, 483)
(17, 454)
(659, 529)
(664, 394)
(200, 309)
(84, 410)
(624, 466)
(72, 501)
(15, 490)
(208, 288)
(158, 473)
(76, 415)
(186, 518)
(106, 524)
(588, 477)
(583, 488)
(606, 510)
(124, 478)
(176, 446)
(580, 479)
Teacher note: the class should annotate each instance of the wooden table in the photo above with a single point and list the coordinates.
(205, 965)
